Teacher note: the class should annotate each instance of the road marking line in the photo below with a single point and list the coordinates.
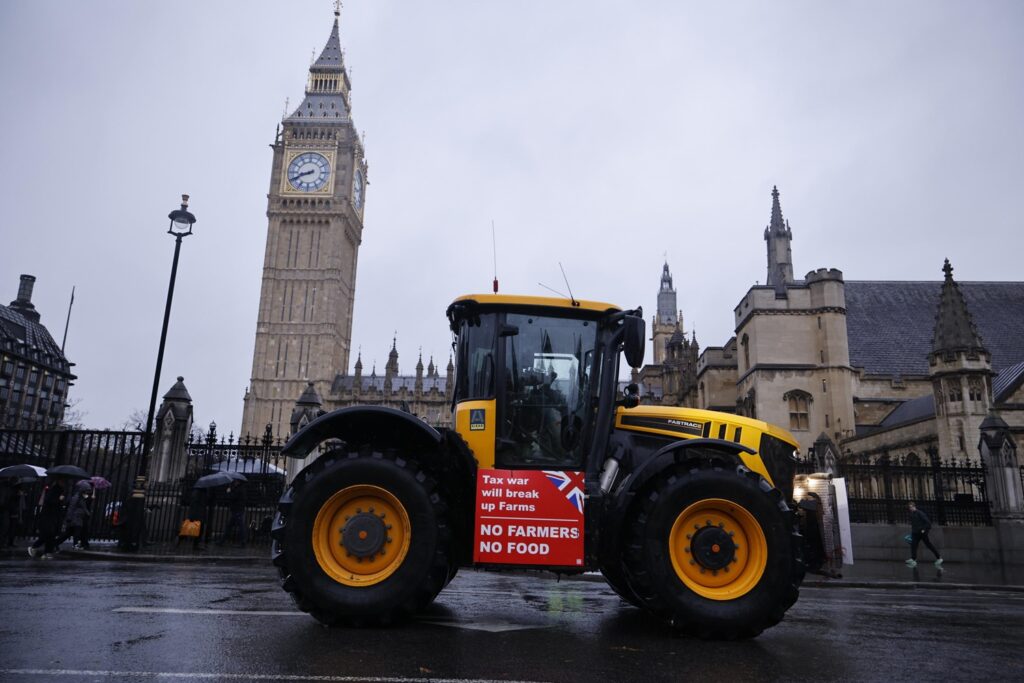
(175, 610)
(248, 677)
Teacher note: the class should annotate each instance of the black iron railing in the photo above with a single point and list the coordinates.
(952, 493)
(115, 457)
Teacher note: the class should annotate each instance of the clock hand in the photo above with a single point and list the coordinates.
(296, 177)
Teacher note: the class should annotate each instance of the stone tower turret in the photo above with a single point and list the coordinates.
(668, 320)
(960, 368)
(172, 424)
(418, 386)
(391, 368)
(780, 252)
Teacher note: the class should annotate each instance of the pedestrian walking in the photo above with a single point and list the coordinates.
(236, 520)
(920, 525)
(49, 520)
(76, 521)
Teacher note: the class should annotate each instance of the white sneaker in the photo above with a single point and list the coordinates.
(32, 552)
(911, 563)
(938, 562)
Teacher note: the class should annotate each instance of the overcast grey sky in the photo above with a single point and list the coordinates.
(602, 135)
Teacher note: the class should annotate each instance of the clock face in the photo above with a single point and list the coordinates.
(357, 190)
(309, 172)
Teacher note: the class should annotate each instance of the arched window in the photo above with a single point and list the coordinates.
(976, 389)
(745, 342)
(799, 409)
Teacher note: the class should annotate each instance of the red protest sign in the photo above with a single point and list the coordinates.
(529, 517)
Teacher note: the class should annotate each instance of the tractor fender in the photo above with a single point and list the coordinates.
(621, 499)
(358, 425)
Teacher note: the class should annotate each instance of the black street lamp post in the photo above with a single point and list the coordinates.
(181, 226)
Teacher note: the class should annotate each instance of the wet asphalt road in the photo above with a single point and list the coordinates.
(67, 620)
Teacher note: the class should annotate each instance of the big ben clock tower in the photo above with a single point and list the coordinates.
(314, 228)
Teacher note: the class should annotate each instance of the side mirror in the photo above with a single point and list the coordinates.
(634, 340)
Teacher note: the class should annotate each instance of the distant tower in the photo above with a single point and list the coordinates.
(961, 368)
(391, 368)
(668, 320)
(780, 253)
(315, 226)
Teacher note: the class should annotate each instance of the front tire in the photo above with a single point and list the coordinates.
(711, 551)
(362, 538)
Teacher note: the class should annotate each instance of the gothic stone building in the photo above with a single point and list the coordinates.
(871, 368)
(35, 376)
(426, 394)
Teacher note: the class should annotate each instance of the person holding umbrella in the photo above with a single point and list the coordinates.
(236, 507)
(200, 505)
(76, 521)
(51, 515)
(13, 495)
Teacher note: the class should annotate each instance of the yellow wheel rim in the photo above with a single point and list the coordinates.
(361, 535)
(718, 549)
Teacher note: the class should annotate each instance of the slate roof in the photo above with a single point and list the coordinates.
(890, 324)
(320, 106)
(909, 411)
(30, 339)
(1006, 382)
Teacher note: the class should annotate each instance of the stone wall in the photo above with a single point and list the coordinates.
(958, 544)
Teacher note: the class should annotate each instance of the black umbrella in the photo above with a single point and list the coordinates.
(31, 472)
(213, 480)
(68, 471)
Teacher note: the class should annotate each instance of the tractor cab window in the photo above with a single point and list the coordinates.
(475, 359)
(545, 394)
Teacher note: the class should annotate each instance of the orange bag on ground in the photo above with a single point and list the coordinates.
(190, 528)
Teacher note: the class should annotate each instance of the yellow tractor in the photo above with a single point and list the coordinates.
(686, 513)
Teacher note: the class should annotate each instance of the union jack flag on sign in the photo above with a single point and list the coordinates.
(571, 483)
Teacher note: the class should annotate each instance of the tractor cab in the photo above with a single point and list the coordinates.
(532, 374)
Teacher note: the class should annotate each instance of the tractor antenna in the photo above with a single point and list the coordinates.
(552, 289)
(571, 297)
(494, 245)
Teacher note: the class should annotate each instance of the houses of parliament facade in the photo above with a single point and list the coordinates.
(855, 369)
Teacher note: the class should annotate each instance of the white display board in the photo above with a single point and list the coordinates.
(843, 513)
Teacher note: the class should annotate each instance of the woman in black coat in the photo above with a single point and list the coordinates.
(51, 516)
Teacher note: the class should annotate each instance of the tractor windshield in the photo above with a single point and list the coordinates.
(547, 385)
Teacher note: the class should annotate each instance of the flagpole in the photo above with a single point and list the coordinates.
(68, 321)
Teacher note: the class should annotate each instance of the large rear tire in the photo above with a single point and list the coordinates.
(362, 538)
(711, 551)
